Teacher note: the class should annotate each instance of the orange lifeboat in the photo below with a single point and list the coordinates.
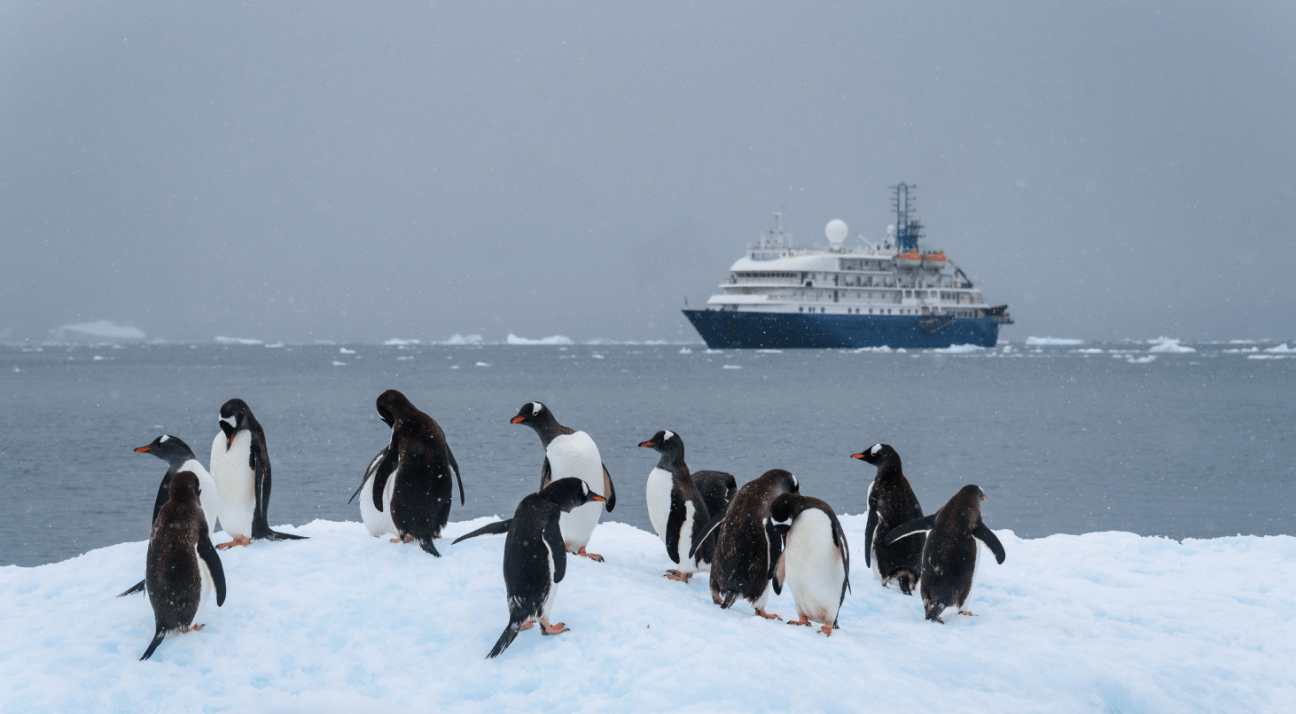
(935, 260)
(912, 259)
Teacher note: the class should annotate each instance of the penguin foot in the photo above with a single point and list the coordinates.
(238, 540)
(192, 628)
(546, 629)
(768, 615)
(677, 575)
(965, 612)
(592, 556)
(827, 630)
(803, 621)
(407, 538)
(527, 625)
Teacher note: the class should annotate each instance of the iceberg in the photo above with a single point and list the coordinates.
(97, 331)
(1168, 344)
(553, 340)
(237, 341)
(1038, 341)
(458, 339)
(397, 342)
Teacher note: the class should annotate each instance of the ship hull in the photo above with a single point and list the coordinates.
(770, 330)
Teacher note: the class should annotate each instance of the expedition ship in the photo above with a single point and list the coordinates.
(890, 294)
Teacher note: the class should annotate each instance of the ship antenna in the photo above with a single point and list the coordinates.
(907, 230)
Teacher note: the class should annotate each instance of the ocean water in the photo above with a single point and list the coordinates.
(1062, 438)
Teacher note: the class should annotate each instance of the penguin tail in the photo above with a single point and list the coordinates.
(505, 639)
(136, 588)
(906, 580)
(426, 544)
(276, 535)
(157, 640)
(730, 596)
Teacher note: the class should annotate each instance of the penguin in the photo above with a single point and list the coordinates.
(746, 544)
(571, 453)
(676, 507)
(891, 502)
(949, 556)
(815, 562)
(240, 466)
(413, 481)
(535, 557)
(717, 488)
(179, 457)
(182, 566)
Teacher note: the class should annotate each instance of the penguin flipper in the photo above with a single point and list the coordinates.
(458, 479)
(904, 530)
(987, 536)
(207, 552)
(496, 528)
(163, 495)
(710, 526)
(674, 525)
(780, 574)
(505, 639)
(261, 468)
(775, 550)
(546, 474)
(136, 588)
(553, 536)
(609, 491)
(369, 472)
(158, 636)
(385, 469)
(277, 535)
(868, 536)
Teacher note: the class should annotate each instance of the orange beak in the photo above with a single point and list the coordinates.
(229, 442)
(142, 450)
(516, 420)
(983, 497)
(859, 456)
(647, 444)
(596, 497)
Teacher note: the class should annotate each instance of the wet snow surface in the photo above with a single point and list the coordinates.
(1102, 622)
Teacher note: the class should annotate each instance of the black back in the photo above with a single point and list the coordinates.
(717, 489)
(747, 547)
(670, 446)
(425, 470)
(891, 502)
(950, 553)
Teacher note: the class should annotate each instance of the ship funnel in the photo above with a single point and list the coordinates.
(836, 231)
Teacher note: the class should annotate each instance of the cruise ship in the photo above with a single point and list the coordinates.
(889, 294)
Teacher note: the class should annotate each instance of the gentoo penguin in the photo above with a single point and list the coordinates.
(240, 465)
(891, 502)
(182, 566)
(950, 554)
(571, 453)
(179, 457)
(413, 481)
(535, 557)
(676, 508)
(747, 545)
(815, 562)
(717, 488)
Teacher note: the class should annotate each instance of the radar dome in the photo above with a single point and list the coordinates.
(891, 231)
(836, 232)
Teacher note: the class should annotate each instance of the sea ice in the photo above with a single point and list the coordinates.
(1036, 341)
(1168, 344)
(237, 341)
(397, 342)
(959, 349)
(553, 340)
(458, 339)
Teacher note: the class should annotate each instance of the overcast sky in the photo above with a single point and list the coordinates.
(362, 171)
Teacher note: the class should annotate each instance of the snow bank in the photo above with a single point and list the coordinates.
(1168, 344)
(97, 331)
(1039, 341)
(958, 349)
(345, 622)
(237, 341)
(554, 340)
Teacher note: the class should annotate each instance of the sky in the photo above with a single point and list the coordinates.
(304, 171)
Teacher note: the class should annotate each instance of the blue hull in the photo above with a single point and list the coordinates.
(763, 330)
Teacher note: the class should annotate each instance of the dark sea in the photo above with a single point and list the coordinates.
(1062, 438)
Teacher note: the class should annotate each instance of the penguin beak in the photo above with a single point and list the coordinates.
(596, 497)
(647, 444)
(859, 456)
(983, 497)
(143, 449)
(229, 441)
(517, 420)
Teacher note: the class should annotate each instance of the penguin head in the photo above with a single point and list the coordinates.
(168, 448)
(392, 403)
(570, 492)
(184, 487)
(780, 482)
(784, 510)
(663, 442)
(877, 454)
(531, 414)
(967, 502)
(234, 416)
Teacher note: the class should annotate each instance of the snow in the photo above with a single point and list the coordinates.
(553, 340)
(237, 341)
(1039, 341)
(1168, 344)
(346, 622)
(959, 349)
(97, 331)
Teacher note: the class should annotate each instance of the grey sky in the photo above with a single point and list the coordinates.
(360, 171)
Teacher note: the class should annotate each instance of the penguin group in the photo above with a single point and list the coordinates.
(764, 536)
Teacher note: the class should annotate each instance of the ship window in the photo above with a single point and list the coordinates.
(823, 309)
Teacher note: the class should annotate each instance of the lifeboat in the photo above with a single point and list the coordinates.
(935, 260)
(912, 259)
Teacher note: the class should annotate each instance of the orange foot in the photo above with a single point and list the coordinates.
(527, 625)
(547, 629)
(192, 628)
(767, 615)
(677, 575)
(965, 612)
(827, 630)
(407, 538)
(238, 540)
(803, 621)
(592, 556)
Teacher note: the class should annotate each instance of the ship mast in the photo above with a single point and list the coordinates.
(908, 230)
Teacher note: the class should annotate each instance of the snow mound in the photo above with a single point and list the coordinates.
(458, 339)
(237, 341)
(1168, 344)
(553, 340)
(959, 349)
(97, 331)
(1039, 341)
(346, 622)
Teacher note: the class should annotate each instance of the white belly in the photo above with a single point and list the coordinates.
(660, 482)
(687, 564)
(208, 585)
(208, 496)
(377, 522)
(813, 565)
(235, 482)
(576, 455)
(547, 607)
